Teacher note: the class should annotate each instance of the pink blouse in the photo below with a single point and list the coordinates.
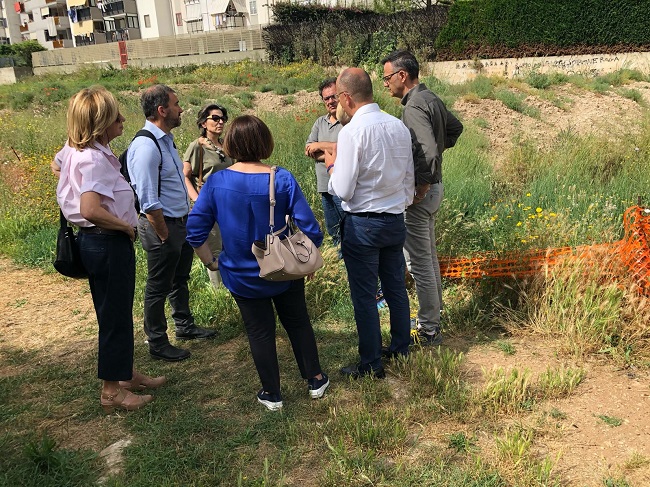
(93, 169)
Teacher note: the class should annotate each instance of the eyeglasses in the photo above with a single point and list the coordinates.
(389, 76)
(329, 98)
(217, 118)
(338, 95)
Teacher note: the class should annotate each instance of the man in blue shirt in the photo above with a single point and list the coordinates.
(164, 205)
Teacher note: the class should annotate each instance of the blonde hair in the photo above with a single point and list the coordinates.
(90, 113)
(341, 116)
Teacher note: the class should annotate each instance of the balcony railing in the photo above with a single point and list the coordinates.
(57, 44)
(117, 35)
(24, 28)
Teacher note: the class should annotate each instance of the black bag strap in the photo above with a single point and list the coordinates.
(149, 135)
(63, 221)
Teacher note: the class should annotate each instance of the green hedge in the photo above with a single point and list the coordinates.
(556, 23)
(340, 36)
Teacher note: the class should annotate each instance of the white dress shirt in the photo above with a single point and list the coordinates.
(373, 170)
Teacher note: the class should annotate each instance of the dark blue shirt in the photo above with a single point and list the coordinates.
(239, 203)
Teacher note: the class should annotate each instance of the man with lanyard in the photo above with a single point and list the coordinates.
(371, 170)
(323, 136)
(433, 129)
(164, 205)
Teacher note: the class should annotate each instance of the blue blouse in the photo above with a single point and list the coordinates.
(239, 203)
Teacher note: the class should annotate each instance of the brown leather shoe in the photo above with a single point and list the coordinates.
(140, 382)
(123, 399)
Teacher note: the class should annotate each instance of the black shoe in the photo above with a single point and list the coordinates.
(355, 371)
(317, 387)
(272, 402)
(388, 355)
(193, 332)
(425, 339)
(168, 352)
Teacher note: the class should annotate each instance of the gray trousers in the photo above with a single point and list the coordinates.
(422, 257)
(168, 266)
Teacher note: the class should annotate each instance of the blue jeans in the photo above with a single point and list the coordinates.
(372, 248)
(110, 262)
(333, 215)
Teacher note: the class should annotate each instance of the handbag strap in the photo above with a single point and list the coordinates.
(272, 197)
(63, 221)
(201, 151)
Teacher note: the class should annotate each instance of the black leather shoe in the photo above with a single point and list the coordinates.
(194, 332)
(355, 371)
(388, 355)
(168, 352)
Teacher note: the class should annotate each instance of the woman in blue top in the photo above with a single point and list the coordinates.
(237, 198)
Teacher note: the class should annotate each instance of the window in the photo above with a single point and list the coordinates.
(92, 3)
(179, 20)
(195, 25)
(132, 22)
(253, 7)
(98, 26)
(147, 21)
(191, 2)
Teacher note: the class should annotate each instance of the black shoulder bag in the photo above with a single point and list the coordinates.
(68, 260)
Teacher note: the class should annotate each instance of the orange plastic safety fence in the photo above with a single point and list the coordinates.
(633, 251)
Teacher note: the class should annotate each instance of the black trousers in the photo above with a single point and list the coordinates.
(110, 262)
(259, 321)
(168, 266)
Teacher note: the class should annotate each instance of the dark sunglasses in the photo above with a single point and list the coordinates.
(217, 118)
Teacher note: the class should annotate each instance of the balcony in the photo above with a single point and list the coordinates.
(59, 43)
(119, 35)
(24, 28)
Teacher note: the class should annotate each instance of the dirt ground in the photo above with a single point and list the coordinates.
(54, 317)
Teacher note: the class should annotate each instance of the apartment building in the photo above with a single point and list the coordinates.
(9, 22)
(102, 21)
(45, 21)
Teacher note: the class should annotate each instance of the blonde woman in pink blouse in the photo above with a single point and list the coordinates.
(94, 195)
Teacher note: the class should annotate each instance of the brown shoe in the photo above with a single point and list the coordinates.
(140, 382)
(123, 399)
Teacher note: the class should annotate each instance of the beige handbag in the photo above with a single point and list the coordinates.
(285, 257)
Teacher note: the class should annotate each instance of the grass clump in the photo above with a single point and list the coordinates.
(612, 421)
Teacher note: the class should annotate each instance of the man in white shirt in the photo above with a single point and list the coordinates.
(371, 170)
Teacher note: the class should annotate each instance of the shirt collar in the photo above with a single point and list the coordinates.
(369, 108)
(155, 130)
(418, 87)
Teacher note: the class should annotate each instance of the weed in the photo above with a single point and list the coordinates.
(632, 94)
(515, 101)
(461, 442)
(559, 382)
(612, 421)
(505, 346)
(615, 482)
(505, 392)
(514, 444)
(637, 460)
(557, 414)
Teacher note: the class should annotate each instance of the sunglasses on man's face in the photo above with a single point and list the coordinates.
(217, 118)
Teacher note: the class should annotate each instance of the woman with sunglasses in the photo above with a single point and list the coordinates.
(93, 195)
(204, 157)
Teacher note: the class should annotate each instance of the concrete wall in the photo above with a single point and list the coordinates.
(216, 58)
(590, 65)
(9, 76)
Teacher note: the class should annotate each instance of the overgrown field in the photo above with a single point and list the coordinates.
(206, 428)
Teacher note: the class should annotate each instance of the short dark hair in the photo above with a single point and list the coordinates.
(357, 83)
(325, 84)
(203, 114)
(248, 140)
(154, 97)
(405, 61)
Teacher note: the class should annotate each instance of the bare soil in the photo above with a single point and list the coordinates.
(53, 317)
